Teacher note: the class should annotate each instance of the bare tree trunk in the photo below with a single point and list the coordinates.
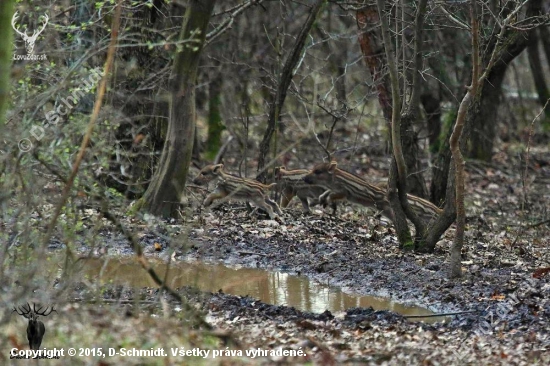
(163, 194)
(481, 115)
(485, 119)
(505, 44)
(458, 242)
(432, 108)
(397, 185)
(284, 82)
(416, 184)
(197, 147)
(545, 40)
(442, 162)
(372, 47)
(538, 71)
(458, 159)
(6, 12)
(215, 125)
(370, 40)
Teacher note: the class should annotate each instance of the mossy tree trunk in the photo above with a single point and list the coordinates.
(163, 194)
(503, 47)
(481, 116)
(6, 12)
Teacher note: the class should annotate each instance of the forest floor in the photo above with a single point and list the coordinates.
(505, 291)
(504, 285)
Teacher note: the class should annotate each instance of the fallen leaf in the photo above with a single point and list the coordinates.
(541, 272)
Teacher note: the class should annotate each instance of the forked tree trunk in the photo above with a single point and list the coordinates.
(163, 194)
(370, 40)
(480, 76)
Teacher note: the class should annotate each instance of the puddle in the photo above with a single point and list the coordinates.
(270, 287)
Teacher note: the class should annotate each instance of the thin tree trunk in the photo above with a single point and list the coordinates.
(284, 82)
(215, 125)
(163, 194)
(441, 162)
(538, 71)
(197, 147)
(458, 159)
(372, 47)
(415, 179)
(6, 12)
(545, 40)
(397, 185)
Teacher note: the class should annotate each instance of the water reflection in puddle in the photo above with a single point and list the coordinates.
(270, 287)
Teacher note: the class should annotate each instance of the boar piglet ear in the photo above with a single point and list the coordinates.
(332, 167)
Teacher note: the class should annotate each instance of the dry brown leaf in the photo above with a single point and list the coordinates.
(540, 272)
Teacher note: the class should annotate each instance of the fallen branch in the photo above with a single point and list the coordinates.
(440, 314)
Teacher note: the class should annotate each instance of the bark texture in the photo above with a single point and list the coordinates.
(538, 71)
(485, 118)
(372, 47)
(481, 114)
(163, 194)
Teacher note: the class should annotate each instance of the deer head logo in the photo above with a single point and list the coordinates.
(29, 40)
(35, 329)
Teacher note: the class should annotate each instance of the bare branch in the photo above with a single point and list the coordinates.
(500, 38)
(283, 85)
(452, 18)
(228, 22)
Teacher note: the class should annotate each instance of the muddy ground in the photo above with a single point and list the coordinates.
(504, 295)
